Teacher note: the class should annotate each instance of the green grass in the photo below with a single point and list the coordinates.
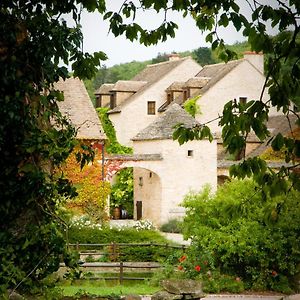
(103, 290)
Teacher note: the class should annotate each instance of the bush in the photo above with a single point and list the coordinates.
(245, 235)
(85, 232)
(173, 226)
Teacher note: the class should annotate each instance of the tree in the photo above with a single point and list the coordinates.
(35, 139)
(203, 56)
(282, 75)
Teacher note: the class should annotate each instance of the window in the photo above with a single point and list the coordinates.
(151, 107)
(98, 101)
(243, 100)
(190, 153)
(185, 96)
(169, 98)
(113, 101)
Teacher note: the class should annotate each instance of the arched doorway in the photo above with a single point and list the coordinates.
(147, 195)
(147, 191)
(121, 197)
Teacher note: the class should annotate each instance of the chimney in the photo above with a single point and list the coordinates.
(173, 56)
(256, 59)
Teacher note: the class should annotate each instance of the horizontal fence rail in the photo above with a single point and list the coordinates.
(116, 265)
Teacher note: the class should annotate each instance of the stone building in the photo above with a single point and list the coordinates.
(134, 104)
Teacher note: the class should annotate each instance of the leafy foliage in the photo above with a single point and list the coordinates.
(244, 235)
(35, 139)
(112, 145)
(122, 191)
(173, 226)
(94, 235)
(92, 192)
(191, 106)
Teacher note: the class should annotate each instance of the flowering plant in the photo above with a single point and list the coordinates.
(192, 267)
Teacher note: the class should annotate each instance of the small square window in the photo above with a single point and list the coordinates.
(243, 100)
(151, 108)
(190, 153)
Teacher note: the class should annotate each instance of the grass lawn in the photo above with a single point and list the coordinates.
(101, 289)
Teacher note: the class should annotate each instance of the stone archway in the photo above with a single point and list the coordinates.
(147, 183)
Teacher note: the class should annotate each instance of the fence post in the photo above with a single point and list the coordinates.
(121, 272)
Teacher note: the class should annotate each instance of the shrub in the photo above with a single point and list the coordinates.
(245, 235)
(173, 226)
(85, 232)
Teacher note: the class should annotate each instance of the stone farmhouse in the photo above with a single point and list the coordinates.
(134, 103)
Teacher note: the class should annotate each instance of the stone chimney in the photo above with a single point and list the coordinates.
(256, 59)
(173, 56)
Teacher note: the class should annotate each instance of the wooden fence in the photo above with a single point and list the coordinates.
(116, 265)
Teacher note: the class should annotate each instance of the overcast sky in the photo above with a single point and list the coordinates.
(120, 50)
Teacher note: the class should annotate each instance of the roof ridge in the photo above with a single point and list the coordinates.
(224, 63)
(168, 61)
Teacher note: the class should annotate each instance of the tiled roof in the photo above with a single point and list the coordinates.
(163, 127)
(105, 88)
(77, 106)
(216, 72)
(128, 85)
(197, 82)
(176, 86)
(151, 74)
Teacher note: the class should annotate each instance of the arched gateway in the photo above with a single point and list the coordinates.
(147, 183)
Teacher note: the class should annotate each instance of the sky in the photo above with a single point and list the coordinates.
(120, 50)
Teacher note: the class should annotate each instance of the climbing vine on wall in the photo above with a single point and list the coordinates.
(112, 146)
(122, 190)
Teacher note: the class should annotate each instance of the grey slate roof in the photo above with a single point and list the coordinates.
(104, 89)
(151, 74)
(163, 127)
(77, 106)
(128, 85)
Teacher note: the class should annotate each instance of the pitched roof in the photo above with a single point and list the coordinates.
(151, 74)
(206, 78)
(197, 82)
(105, 88)
(176, 86)
(163, 127)
(128, 85)
(77, 106)
(216, 72)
